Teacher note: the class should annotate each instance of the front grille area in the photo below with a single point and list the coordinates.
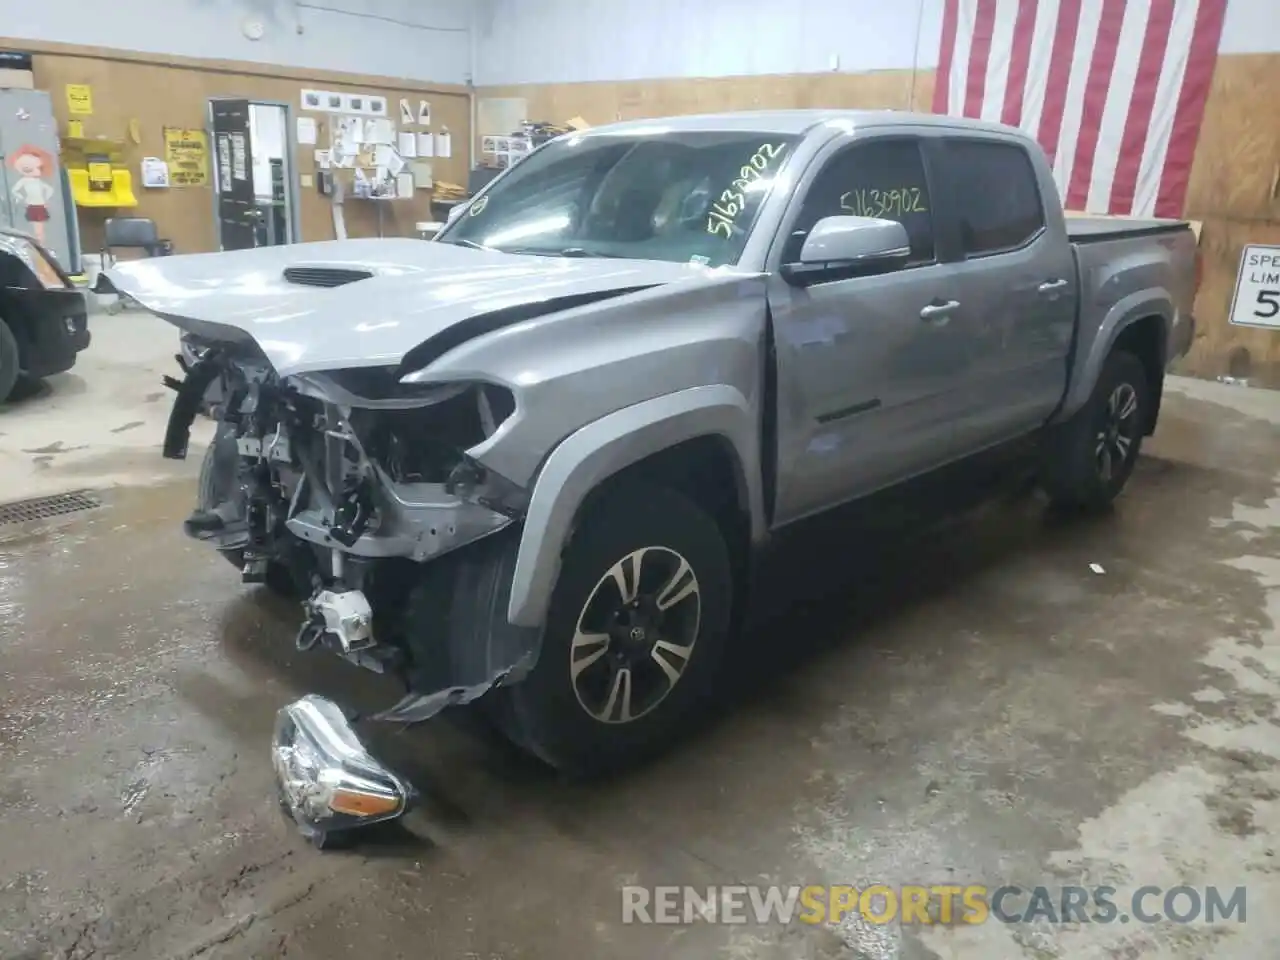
(42, 508)
(324, 276)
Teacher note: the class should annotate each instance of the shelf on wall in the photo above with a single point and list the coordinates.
(95, 167)
(118, 190)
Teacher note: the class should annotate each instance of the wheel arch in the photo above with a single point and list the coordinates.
(692, 440)
(1145, 338)
(1139, 322)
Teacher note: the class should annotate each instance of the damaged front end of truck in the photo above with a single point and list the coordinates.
(352, 489)
(383, 414)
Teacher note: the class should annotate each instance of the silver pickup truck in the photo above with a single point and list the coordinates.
(534, 458)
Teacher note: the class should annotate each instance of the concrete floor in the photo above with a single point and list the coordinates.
(982, 708)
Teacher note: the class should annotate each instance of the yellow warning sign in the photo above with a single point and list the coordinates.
(79, 99)
(187, 153)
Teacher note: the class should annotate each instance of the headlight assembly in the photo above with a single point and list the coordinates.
(327, 781)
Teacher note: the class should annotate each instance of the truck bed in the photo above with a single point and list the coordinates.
(1118, 260)
(1082, 230)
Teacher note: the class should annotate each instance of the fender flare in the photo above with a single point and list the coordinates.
(1123, 314)
(601, 449)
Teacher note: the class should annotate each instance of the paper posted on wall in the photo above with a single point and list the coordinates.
(407, 143)
(348, 136)
(187, 154)
(380, 130)
(426, 145)
(306, 131)
(406, 112)
(422, 174)
(350, 130)
(444, 144)
(155, 173)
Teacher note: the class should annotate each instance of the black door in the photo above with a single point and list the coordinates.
(238, 212)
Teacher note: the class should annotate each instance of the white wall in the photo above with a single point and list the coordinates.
(540, 41)
(549, 41)
(564, 41)
(1252, 26)
(427, 40)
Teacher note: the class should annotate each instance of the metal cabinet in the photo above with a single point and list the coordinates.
(34, 198)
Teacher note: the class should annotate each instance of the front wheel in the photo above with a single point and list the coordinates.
(634, 635)
(217, 485)
(1091, 458)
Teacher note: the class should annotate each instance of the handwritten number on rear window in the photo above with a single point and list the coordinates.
(894, 203)
(724, 213)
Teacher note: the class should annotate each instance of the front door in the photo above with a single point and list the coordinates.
(238, 212)
(873, 372)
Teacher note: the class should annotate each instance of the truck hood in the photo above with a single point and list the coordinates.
(359, 303)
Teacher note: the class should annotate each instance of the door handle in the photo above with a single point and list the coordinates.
(1051, 286)
(939, 312)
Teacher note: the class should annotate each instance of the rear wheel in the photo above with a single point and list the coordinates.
(1093, 455)
(636, 629)
(9, 361)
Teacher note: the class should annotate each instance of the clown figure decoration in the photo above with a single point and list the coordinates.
(33, 191)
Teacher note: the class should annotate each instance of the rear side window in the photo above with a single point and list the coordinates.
(995, 194)
(884, 179)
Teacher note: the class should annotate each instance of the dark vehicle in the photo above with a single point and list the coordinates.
(43, 317)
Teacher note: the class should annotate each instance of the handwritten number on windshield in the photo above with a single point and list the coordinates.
(725, 212)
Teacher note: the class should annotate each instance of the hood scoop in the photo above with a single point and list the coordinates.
(324, 276)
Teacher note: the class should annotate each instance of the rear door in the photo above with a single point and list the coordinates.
(872, 371)
(1017, 280)
(238, 212)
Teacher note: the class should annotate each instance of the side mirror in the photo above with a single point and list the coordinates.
(841, 247)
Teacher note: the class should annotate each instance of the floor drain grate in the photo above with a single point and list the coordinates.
(41, 508)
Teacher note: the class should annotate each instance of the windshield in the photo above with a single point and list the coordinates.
(679, 195)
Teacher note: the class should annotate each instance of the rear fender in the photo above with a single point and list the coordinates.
(1097, 345)
(592, 454)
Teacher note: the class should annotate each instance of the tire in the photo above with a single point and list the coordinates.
(9, 361)
(1093, 454)
(210, 491)
(580, 725)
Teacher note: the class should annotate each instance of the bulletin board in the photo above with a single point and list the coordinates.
(139, 94)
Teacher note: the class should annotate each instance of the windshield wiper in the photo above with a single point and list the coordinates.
(565, 252)
(469, 244)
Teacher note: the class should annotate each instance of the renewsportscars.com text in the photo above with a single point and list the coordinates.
(944, 904)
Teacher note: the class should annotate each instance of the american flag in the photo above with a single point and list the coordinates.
(1113, 90)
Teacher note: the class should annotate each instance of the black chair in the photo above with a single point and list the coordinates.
(128, 233)
(133, 233)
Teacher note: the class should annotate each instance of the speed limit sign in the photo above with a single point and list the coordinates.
(1257, 298)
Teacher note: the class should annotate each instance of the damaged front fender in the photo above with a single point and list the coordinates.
(462, 643)
(417, 707)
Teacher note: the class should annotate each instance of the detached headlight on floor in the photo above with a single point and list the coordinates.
(327, 780)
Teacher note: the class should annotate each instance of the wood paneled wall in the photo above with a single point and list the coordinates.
(1234, 185)
(161, 92)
